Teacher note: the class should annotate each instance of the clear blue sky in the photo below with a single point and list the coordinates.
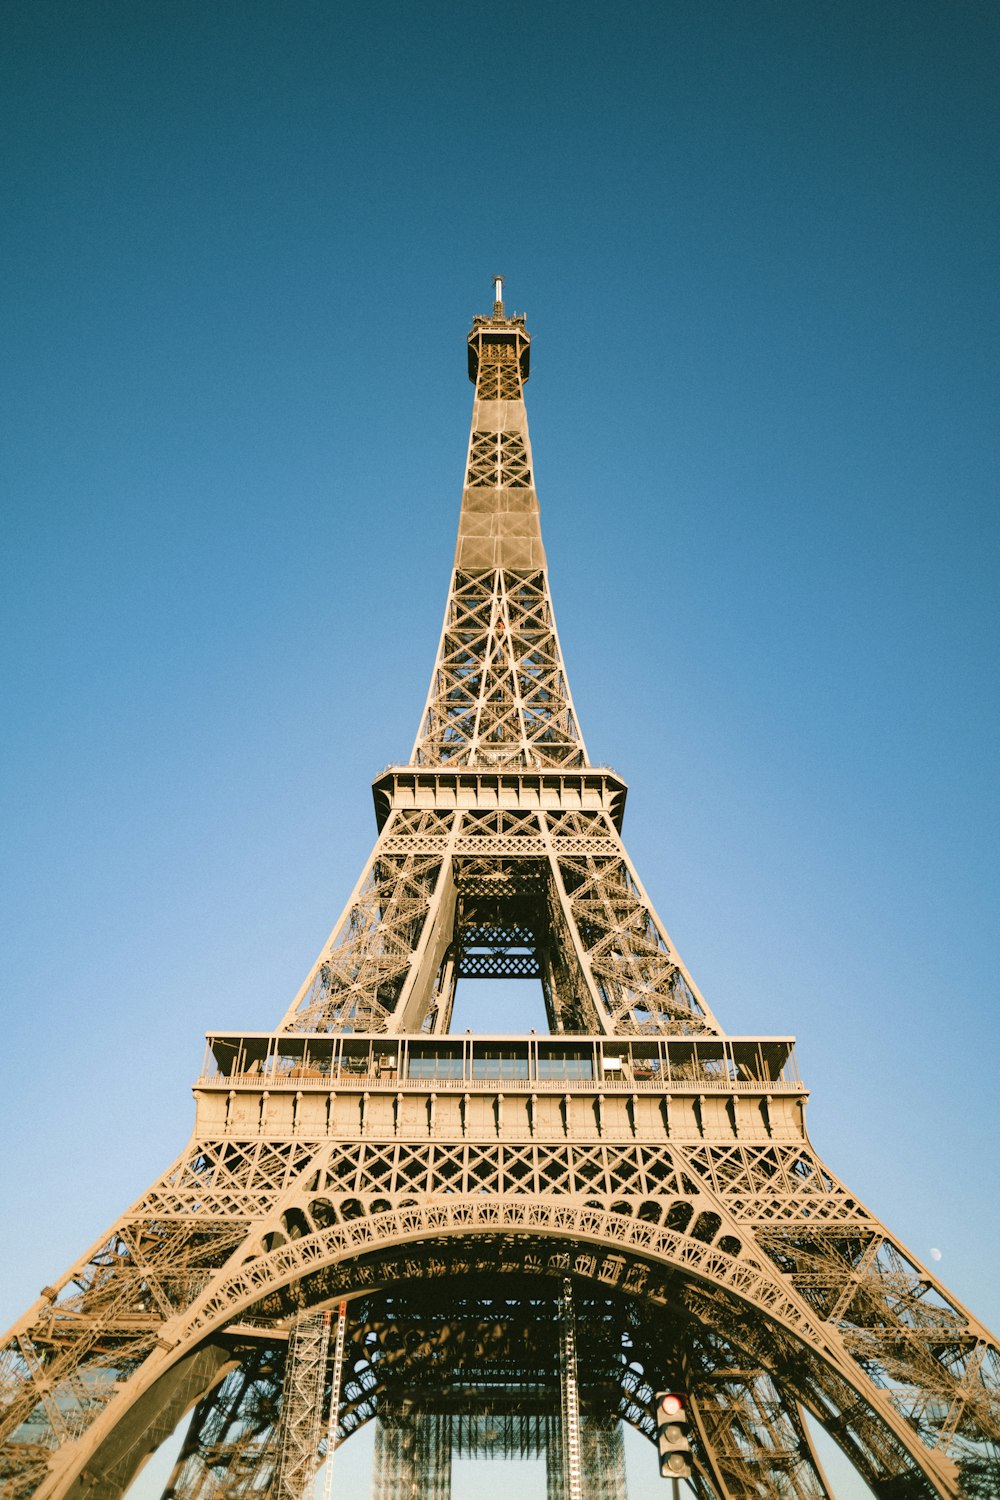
(757, 245)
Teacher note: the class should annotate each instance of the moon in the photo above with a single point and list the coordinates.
(935, 1254)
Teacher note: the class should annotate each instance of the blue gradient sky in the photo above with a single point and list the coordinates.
(758, 247)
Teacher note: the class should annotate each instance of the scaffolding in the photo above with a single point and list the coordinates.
(302, 1406)
(336, 1381)
(569, 1396)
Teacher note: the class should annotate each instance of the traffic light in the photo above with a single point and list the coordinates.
(671, 1435)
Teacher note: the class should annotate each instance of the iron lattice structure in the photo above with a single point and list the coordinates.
(298, 1445)
(456, 1190)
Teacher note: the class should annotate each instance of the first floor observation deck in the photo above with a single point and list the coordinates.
(357, 1085)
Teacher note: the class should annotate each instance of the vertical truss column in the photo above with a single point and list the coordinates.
(569, 1392)
(412, 1456)
(336, 1381)
(602, 1451)
(554, 1483)
(302, 1406)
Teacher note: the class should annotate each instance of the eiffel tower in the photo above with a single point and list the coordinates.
(498, 1244)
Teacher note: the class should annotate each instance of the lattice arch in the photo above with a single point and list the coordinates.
(730, 1292)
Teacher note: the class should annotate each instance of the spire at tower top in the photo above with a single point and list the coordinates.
(498, 327)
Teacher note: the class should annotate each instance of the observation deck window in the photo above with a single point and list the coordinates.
(565, 1063)
(435, 1062)
(499, 1062)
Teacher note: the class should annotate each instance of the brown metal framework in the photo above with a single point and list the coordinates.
(636, 1163)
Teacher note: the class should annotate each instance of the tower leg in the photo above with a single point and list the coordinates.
(230, 1442)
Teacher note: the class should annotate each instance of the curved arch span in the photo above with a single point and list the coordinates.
(612, 1250)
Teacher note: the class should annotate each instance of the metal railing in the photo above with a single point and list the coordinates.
(387, 1082)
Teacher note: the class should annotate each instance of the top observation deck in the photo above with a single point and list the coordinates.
(498, 328)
